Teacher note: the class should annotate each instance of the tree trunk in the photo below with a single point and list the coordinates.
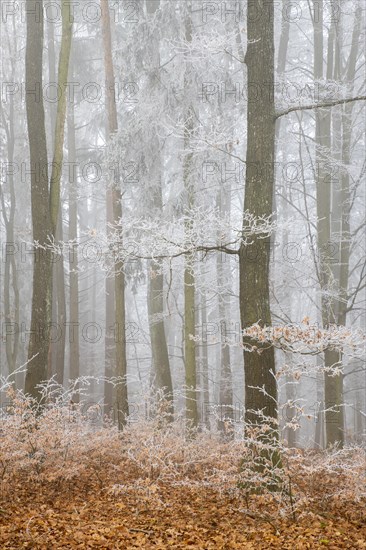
(163, 379)
(333, 385)
(11, 310)
(190, 346)
(51, 139)
(203, 361)
(226, 412)
(344, 183)
(45, 204)
(41, 219)
(254, 260)
(110, 319)
(160, 356)
(74, 333)
(61, 310)
(189, 278)
(63, 71)
(57, 353)
(119, 277)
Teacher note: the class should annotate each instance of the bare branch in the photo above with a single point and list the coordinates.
(319, 105)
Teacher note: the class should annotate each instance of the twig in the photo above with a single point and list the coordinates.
(141, 531)
(265, 520)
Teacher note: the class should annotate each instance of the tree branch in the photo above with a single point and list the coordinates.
(319, 105)
(205, 249)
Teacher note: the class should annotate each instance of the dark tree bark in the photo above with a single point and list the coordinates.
(119, 277)
(45, 202)
(41, 219)
(189, 277)
(254, 260)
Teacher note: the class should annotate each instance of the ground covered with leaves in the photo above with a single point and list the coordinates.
(119, 505)
(67, 482)
(156, 515)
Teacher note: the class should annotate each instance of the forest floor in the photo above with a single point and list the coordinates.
(115, 507)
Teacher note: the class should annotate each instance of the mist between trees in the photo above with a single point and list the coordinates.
(183, 210)
(95, 413)
(225, 12)
(182, 274)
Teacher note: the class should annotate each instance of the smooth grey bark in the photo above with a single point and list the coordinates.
(203, 373)
(61, 308)
(57, 353)
(333, 385)
(342, 198)
(11, 299)
(109, 344)
(290, 389)
(280, 71)
(11, 288)
(51, 108)
(226, 412)
(74, 334)
(110, 317)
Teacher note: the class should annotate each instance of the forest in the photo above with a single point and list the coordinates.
(183, 274)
